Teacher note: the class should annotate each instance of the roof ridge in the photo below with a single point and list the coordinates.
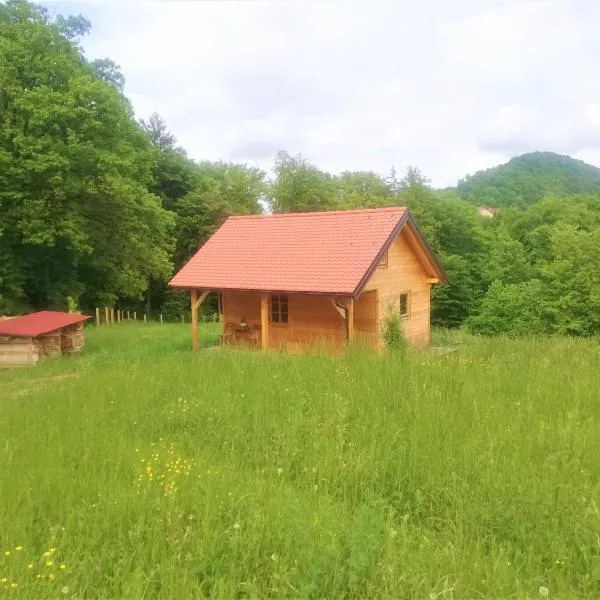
(322, 212)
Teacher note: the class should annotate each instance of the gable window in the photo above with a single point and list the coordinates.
(404, 304)
(383, 262)
(279, 308)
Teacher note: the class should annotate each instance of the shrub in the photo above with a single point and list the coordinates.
(393, 332)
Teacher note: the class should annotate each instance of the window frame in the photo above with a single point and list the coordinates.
(406, 314)
(277, 312)
(383, 261)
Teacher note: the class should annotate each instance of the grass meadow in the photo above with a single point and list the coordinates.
(141, 470)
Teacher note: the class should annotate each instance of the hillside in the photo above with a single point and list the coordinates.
(525, 179)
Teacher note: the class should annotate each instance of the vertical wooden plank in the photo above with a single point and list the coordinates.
(350, 320)
(161, 318)
(128, 315)
(97, 316)
(194, 307)
(135, 315)
(106, 321)
(112, 316)
(145, 318)
(264, 321)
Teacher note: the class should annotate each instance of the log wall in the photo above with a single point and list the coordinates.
(17, 351)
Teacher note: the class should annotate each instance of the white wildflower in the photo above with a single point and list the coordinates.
(543, 590)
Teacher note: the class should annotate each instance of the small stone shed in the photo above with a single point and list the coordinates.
(23, 340)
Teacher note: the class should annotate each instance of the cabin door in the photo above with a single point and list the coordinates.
(279, 325)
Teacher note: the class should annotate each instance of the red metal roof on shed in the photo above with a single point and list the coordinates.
(39, 323)
(319, 252)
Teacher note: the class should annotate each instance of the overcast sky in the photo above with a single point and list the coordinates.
(449, 86)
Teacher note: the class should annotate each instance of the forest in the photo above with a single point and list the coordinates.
(98, 208)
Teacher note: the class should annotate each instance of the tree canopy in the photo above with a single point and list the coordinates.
(99, 208)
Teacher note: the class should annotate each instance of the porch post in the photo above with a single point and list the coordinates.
(264, 321)
(350, 320)
(194, 307)
(196, 301)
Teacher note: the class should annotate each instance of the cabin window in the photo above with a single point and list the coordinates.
(279, 308)
(383, 262)
(404, 304)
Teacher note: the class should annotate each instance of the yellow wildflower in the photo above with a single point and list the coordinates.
(3, 580)
(52, 577)
(13, 585)
(49, 563)
(30, 566)
(18, 548)
(7, 553)
(63, 566)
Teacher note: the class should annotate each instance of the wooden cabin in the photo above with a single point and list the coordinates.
(23, 340)
(292, 280)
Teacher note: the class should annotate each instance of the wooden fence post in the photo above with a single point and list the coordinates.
(128, 315)
(161, 318)
(135, 315)
(112, 317)
(97, 316)
(106, 321)
(145, 321)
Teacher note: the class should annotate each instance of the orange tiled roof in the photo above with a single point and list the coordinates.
(319, 252)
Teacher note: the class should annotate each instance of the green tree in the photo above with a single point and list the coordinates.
(300, 186)
(77, 217)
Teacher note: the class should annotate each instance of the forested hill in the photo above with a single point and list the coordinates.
(528, 178)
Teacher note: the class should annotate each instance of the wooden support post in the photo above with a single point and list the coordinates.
(196, 301)
(128, 315)
(194, 320)
(264, 322)
(106, 321)
(350, 320)
(97, 316)
(119, 316)
(112, 316)
(134, 315)
(145, 319)
(161, 318)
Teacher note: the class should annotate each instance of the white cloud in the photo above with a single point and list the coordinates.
(449, 87)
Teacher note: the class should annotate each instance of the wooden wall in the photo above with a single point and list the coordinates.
(311, 318)
(17, 351)
(366, 311)
(404, 273)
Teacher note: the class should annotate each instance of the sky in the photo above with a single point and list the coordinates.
(448, 86)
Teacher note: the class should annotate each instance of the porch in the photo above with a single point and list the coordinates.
(292, 321)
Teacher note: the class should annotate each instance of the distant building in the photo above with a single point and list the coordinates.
(487, 211)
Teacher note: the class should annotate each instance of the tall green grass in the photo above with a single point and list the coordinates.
(147, 471)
